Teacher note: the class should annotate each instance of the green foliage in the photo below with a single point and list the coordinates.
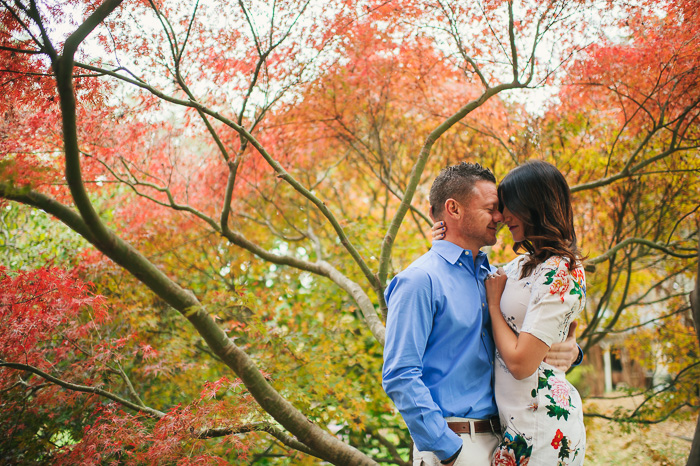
(30, 239)
(578, 376)
(349, 130)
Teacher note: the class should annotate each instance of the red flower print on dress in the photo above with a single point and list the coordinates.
(556, 441)
(579, 276)
(555, 261)
(504, 457)
(560, 283)
(560, 391)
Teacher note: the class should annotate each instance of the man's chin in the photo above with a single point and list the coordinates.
(487, 244)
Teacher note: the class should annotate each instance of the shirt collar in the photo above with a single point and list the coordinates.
(451, 253)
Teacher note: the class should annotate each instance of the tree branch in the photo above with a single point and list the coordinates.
(645, 242)
(694, 457)
(417, 172)
(256, 427)
(281, 172)
(330, 448)
(84, 388)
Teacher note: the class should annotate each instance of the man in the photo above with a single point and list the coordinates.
(439, 352)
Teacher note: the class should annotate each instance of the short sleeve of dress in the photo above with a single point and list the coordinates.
(558, 297)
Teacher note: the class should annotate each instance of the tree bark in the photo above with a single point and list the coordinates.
(694, 457)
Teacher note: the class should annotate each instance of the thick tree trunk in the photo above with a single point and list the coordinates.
(694, 458)
(89, 224)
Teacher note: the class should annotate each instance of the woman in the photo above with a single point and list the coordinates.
(532, 302)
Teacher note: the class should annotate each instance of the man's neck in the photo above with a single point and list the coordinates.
(464, 244)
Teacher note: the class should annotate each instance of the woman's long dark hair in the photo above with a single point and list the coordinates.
(537, 193)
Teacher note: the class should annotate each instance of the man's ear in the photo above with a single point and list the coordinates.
(453, 208)
(430, 214)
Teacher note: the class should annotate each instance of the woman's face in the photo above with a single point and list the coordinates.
(515, 225)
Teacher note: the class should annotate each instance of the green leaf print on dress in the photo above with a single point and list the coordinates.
(561, 443)
(559, 281)
(559, 394)
(513, 451)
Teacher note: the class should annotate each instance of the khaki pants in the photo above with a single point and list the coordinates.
(477, 450)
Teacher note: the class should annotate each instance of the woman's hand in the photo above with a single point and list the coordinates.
(522, 352)
(438, 230)
(495, 284)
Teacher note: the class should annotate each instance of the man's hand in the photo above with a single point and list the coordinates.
(453, 458)
(562, 355)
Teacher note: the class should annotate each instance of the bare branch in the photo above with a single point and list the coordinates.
(84, 388)
(16, 50)
(255, 427)
(281, 172)
(43, 48)
(629, 420)
(645, 242)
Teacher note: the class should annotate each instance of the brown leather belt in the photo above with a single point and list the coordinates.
(480, 426)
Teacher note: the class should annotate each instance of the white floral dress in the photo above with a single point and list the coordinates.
(541, 415)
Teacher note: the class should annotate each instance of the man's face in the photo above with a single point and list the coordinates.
(481, 215)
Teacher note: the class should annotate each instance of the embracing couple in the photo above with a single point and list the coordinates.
(463, 404)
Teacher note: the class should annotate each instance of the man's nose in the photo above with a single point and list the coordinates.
(498, 217)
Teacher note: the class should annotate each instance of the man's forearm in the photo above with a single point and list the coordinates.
(421, 415)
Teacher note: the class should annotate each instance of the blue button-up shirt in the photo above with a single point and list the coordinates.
(438, 353)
